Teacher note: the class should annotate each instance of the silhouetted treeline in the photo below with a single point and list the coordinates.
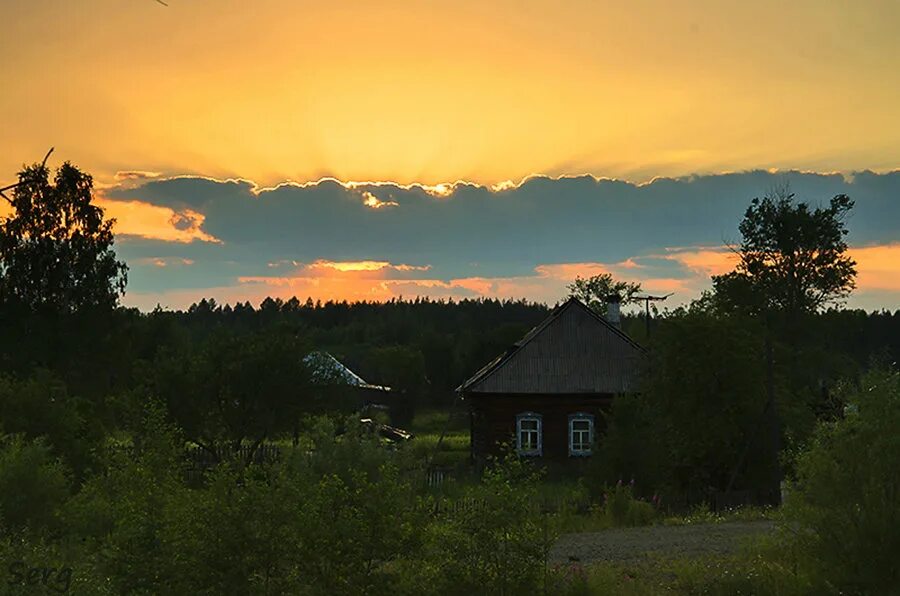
(426, 347)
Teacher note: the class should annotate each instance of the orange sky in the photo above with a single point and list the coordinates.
(878, 279)
(439, 91)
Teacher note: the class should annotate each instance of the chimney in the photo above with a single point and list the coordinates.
(613, 313)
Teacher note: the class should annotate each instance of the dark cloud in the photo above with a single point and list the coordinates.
(474, 230)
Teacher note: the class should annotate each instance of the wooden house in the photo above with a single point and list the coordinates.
(547, 395)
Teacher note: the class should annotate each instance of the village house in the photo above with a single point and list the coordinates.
(548, 394)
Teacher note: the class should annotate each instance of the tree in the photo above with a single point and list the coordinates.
(792, 258)
(235, 388)
(843, 513)
(792, 262)
(595, 290)
(56, 249)
(700, 409)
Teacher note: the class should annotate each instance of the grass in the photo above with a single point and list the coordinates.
(436, 421)
(427, 427)
(760, 568)
(704, 515)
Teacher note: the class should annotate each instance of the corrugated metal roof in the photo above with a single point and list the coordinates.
(328, 370)
(574, 350)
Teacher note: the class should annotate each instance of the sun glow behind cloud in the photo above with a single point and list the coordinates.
(432, 92)
(135, 218)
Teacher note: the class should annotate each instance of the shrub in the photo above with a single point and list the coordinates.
(122, 512)
(497, 546)
(621, 508)
(64, 567)
(33, 484)
(843, 512)
(40, 406)
(336, 519)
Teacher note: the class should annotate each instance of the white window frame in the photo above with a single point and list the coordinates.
(577, 417)
(530, 417)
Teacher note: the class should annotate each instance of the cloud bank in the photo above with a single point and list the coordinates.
(328, 239)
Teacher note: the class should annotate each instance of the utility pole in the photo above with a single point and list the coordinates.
(647, 299)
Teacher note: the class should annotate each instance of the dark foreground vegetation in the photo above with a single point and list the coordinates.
(758, 388)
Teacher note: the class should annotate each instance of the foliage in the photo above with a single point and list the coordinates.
(41, 407)
(845, 504)
(33, 485)
(500, 545)
(56, 249)
(402, 369)
(240, 388)
(576, 579)
(756, 571)
(703, 404)
(595, 290)
(759, 567)
(37, 564)
(633, 446)
(621, 509)
(703, 514)
(121, 513)
(792, 258)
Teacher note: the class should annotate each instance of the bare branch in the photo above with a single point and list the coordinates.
(12, 186)
(44, 163)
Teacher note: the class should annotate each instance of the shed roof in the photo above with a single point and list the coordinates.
(574, 350)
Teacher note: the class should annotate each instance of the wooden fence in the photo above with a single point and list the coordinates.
(204, 458)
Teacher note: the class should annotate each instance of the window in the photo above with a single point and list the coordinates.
(581, 434)
(528, 434)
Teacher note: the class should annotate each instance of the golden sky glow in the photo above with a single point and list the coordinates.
(135, 218)
(433, 92)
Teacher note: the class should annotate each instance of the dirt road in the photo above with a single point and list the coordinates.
(629, 544)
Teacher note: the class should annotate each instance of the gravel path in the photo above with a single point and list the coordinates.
(630, 544)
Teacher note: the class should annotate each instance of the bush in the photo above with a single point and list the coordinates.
(33, 484)
(64, 567)
(844, 510)
(621, 509)
(333, 520)
(40, 406)
(121, 514)
(499, 545)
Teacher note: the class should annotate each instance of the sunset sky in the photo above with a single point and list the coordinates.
(365, 150)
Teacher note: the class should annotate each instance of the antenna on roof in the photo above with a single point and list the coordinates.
(647, 300)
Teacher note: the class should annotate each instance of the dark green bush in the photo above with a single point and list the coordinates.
(33, 484)
(844, 509)
(499, 545)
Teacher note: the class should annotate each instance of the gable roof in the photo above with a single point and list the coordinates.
(574, 350)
